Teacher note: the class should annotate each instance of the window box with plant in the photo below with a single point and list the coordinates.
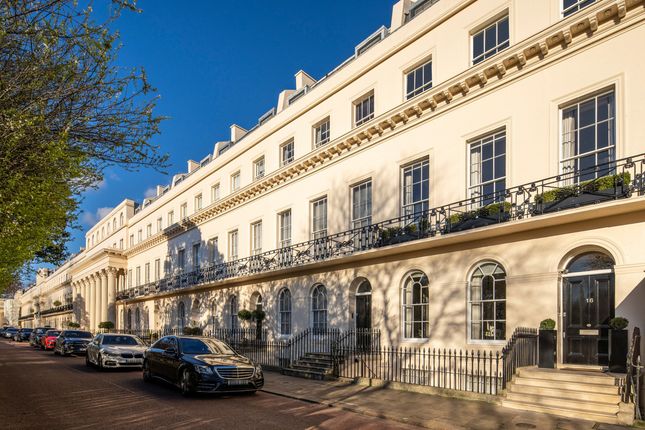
(416, 229)
(604, 188)
(493, 213)
(547, 338)
(618, 344)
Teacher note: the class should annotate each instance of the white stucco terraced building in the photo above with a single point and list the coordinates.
(473, 168)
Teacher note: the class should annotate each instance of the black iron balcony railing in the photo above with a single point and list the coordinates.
(56, 309)
(601, 183)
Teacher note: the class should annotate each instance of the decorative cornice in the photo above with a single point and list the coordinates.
(511, 62)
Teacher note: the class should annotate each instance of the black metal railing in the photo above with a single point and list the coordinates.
(521, 350)
(604, 182)
(630, 387)
(56, 309)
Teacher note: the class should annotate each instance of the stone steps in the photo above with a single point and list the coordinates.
(312, 366)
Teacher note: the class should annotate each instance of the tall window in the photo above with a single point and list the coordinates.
(362, 204)
(488, 167)
(159, 225)
(213, 251)
(284, 302)
(215, 193)
(146, 273)
(171, 218)
(232, 245)
(196, 256)
(114, 224)
(183, 211)
(139, 235)
(487, 298)
(364, 109)
(157, 269)
(258, 168)
(319, 218)
(181, 316)
(415, 301)
(235, 181)
(569, 7)
(198, 202)
(256, 238)
(130, 284)
(321, 133)
(589, 136)
(319, 308)
(149, 230)
(418, 80)
(137, 319)
(232, 312)
(490, 40)
(138, 275)
(415, 187)
(284, 228)
(121, 220)
(286, 153)
(121, 243)
(181, 259)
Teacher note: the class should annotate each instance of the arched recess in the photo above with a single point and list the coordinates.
(415, 305)
(360, 303)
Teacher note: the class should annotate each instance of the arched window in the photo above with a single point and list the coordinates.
(232, 312)
(129, 321)
(589, 262)
(284, 303)
(181, 316)
(319, 308)
(137, 319)
(114, 224)
(121, 220)
(487, 296)
(146, 319)
(416, 306)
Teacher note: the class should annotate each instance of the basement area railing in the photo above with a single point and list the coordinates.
(597, 184)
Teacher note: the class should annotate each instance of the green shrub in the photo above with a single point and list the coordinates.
(193, 331)
(57, 303)
(72, 324)
(600, 184)
(106, 325)
(391, 232)
(410, 228)
(547, 324)
(258, 315)
(493, 209)
(618, 323)
(244, 315)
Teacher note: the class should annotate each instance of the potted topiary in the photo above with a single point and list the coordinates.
(245, 315)
(57, 303)
(258, 315)
(72, 324)
(547, 344)
(618, 345)
(106, 325)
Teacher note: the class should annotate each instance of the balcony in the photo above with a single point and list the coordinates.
(595, 185)
(58, 309)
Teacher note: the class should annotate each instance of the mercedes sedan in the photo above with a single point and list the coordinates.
(72, 342)
(115, 350)
(201, 364)
(23, 334)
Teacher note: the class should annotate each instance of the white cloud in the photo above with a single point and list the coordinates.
(150, 192)
(90, 218)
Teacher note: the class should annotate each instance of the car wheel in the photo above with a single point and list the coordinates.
(99, 362)
(184, 383)
(55, 351)
(147, 374)
(87, 361)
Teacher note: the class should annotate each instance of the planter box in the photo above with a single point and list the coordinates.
(618, 347)
(547, 348)
(583, 199)
(400, 238)
(480, 221)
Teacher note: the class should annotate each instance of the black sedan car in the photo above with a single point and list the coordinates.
(34, 338)
(22, 334)
(201, 364)
(10, 332)
(72, 342)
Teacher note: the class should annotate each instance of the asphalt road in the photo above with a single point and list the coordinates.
(40, 390)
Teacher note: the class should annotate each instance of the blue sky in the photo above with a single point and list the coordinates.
(215, 63)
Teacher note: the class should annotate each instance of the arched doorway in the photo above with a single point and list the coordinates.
(363, 308)
(588, 305)
(258, 313)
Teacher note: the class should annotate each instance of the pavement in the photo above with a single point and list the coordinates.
(422, 410)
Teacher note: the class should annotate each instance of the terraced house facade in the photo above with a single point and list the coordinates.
(474, 167)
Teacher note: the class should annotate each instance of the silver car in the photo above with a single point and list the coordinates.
(112, 350)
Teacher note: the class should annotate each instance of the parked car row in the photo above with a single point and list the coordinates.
(191, 363)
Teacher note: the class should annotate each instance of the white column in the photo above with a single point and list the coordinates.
(93, 297)
(111, 295)
(104, 296)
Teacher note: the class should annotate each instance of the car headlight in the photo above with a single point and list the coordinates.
(258, 370)
(204, 370)
(110, 354)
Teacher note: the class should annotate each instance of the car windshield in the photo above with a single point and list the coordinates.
(12, 329)
(204, 346)
(121, 340)
(27, 330)
(52, 333)
(78, 334)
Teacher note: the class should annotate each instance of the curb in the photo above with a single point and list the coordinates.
(355, 409)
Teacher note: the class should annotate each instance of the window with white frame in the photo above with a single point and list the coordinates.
(232, 245)
(256, 238)
(215, 194)
(258, 168)
(181, 259)
(159, 224)
(149, 230)
(415, 187)
(146, 273)
(235, 181)
(362, 204)
(121, 243)
(322, 133)
(139, 235)
(171, 218)
(589, 137)
(213, 251)
(487, 303)
(232, 312)
(284, 229)
(196, 247)
(319, 309)
(418, 80)
(319, 218)
(364, 109)
(198, 202)
(132, 240)
(490, 40)
(138, 275)
(569, 7)
(286, 153)
(284, 303)
(157, 269)
(130, 284)
(183, 211)
(487, 159)
(416, 306)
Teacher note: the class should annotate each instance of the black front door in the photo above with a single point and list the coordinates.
(588, 307)
(363, 319)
